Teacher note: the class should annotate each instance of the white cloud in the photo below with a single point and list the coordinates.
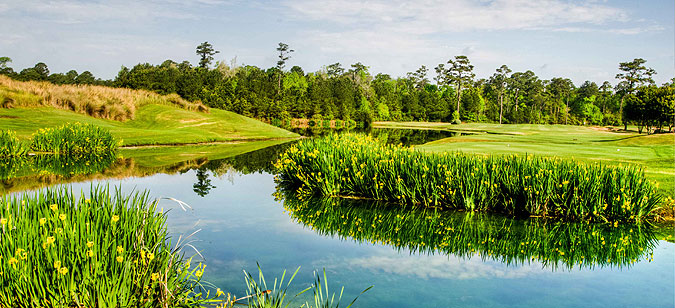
(442, 267)
(433, 16)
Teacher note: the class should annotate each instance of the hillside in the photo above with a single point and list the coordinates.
(135, 116)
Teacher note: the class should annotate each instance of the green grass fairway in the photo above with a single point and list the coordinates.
(153, 124)
(655, 152)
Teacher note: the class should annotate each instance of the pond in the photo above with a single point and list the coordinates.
(412, 258)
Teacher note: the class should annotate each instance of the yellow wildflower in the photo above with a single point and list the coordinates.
(43, 221)
(63, 271)
(62, 216)
(57, 264)
(120, 249)
(115, 218)
(90, 244)
(119, 259)
(54, 207)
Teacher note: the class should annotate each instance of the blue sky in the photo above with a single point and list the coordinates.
(582, 40)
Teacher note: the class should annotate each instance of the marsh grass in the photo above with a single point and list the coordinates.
(553, 244)
(10, 145)
(260, 295)
(105, 249)
(97, 101)
(360, 166)
(74, 139)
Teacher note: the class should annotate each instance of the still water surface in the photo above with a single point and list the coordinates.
(243, 219)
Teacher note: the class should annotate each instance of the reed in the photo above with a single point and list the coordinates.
(360, 166)
(74, 139)
(97, 101)
(101, 250)
(10, 146)
(552, 244)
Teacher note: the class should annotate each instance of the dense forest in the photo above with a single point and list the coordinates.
(354, 93)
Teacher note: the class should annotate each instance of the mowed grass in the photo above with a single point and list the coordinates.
(153, 124)
(654, 152)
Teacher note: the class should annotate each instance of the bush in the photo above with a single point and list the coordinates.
(74, 139)
(456, 121)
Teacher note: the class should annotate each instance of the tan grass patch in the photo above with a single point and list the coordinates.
(118, 104)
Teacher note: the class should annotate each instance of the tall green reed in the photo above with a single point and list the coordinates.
(259, 295)
(10, 146)
(106, 249)
(360, 166)
(74, 139)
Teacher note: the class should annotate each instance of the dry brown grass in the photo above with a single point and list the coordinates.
(97, 101)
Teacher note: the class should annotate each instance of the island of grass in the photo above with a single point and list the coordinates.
(135, 117)
(359, 166)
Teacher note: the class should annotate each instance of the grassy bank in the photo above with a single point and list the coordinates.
(655, 153)
(154, 124)
(96, 101)
(135, 116)
(359, 166)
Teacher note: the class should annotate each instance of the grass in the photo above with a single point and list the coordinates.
(74, 139)
(97, 101)
(155, 124)
(655, 153)
(359, 166)
(489, 237)
(102, 250)
(10, 146)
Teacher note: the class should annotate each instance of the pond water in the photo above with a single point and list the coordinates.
(411, 258)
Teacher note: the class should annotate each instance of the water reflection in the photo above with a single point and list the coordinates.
(428, 231)
(55, 164)
(45, 170)
(405, 137)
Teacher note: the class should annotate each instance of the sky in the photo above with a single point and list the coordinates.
(580, 40)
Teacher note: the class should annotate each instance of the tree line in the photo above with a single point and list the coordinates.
(354, 93)
(40, 72)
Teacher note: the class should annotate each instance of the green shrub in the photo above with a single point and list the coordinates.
(360, 166)
(104, 250)
(10, 146)
(74, 139)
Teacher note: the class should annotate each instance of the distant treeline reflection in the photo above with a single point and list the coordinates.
(466, 234)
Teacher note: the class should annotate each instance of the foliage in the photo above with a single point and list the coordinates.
(74, 139)
(359, 166)
(205, 52)
(101, 250)
(651, 107)
(10, 146)
(467, 235)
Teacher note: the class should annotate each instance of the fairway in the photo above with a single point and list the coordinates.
(591, 144)
(154, 124)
